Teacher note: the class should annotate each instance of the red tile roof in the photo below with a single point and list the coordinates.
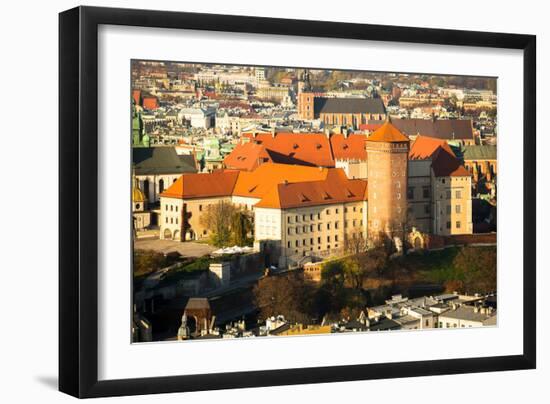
(445, 164)
(247, 156)
(424, 147)
(296, 148)
(335, 188)
(387, 133)
(258, 183)
(351, 147)
(215, 184)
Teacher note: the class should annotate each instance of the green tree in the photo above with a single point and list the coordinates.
(241, 228)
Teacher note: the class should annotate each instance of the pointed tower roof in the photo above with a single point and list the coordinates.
(387, 133)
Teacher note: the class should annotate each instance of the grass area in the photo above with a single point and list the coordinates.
(195, 265)
(440, 267)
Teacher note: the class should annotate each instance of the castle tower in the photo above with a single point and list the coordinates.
(387, 159)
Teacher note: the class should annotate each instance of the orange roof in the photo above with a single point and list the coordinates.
(311, 149)
(445, 164)
(247, 156)
(335, 188)
(258, 183)
(387, 133)
(215, 184)
(351, 147)
(424, 147)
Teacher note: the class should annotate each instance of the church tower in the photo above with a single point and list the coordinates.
(387, 164)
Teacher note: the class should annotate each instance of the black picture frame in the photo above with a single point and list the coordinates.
(78, 207)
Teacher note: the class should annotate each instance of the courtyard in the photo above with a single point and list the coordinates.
(186, 249)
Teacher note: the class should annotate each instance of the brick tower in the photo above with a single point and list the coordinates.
(387, 157)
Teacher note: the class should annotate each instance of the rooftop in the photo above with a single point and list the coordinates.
(161, 160)
(387, 133)
(348, 105)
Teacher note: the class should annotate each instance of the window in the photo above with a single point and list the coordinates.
(288, 244)
(448, 225)
(346, 210)
(336, 211)
(410, 193)
(288, 219)
(355, 209)
(336, 238)
(289, 231)
(171, 220)
(311, 216)
(319, 240)
(354, 223)
(166, 207)
(328, 212)
(200, 208)
(458, 224)
(297, 219)
(328, 226)
(448, 209)
(346, 224)
(335, 225)
(398, 195)
(297, 243)
(448, 194)
(166, 220)
(311, 241)
(319, 227)
(427, 323)
(311, 228)
(427, 209)
(318, 215)
(304, 218)
(458, 194)
(304, 229)
(171, 208)
(426, 192)
(457, 208)
(176, 220)
(328, 239)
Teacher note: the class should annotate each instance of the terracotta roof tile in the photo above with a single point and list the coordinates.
(424, 147)
(445, 164)
(387, 133)
(258, 183)
(311, 149)
(335, 188)
(348, 148)
(247, 156)
(215, 184)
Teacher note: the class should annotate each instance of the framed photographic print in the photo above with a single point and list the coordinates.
(251, 202)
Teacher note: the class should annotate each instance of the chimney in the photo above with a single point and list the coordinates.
(273, 133)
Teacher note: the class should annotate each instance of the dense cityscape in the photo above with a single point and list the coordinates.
(273, 201)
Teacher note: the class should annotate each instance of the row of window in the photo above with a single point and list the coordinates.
(171, 220)
(458, 209)
(458, 224)
(317, 216)
(303, 242)
(458, 194)
(329, 226)
(425, 192)
(171, 208)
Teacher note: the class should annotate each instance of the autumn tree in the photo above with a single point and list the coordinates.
(227, 224)
(370, 263)
(478, 267)
(288, 295)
